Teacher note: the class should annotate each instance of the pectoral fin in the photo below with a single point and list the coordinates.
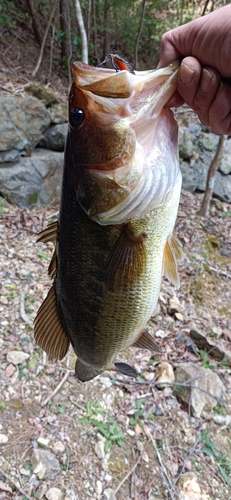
(126, 261)
(85, 372)
(49, 333)
(146, 341)
(126, 369)
(50, 234)
(172, 253)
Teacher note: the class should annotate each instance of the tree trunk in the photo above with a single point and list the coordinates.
(45, 37)
(95, 32)
(107, 45)
(35, 21)
(204, 210)
(65, 28)
(82, 30)
(139, 34)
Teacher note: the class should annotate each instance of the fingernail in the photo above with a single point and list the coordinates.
(206, 79)
(186, 74)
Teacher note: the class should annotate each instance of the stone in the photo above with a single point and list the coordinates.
(44, 463)
(3, 438)
(159, 410)
(35, 180)
(188, 487)
(108, 494)
(215, 350)
(98, 487)
(9, 156)
(43, 442)
(5, 487)
(99, 449)
(24, 472)
(17, 357)
(174, 305)
(58, 447)
(54, 494)
(185, 143)
(202, 378)
(164, 374)
(23, 120)
(54, 137)
(59, 112)
(44, 94)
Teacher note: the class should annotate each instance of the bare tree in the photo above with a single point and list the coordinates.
(139, 34)
(45, 37)
(106, 47)
(66, 39)
(204, 210)
(82, 30)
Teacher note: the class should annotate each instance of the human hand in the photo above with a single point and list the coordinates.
(201, 80)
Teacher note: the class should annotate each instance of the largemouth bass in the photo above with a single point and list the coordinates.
(113, 239)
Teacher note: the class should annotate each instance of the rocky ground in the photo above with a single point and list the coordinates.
(113, 437)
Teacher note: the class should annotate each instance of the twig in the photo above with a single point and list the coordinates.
(23, 314)
(44, 403)
(167, 481)
(191, 452)
(15, 484)
(128, 474)
(170, 384)
(219, 271)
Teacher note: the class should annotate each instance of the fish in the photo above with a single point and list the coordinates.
(113, 240)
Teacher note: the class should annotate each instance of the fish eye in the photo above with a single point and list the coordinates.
(76, 117)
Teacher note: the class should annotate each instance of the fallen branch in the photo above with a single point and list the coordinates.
(23, 314)
(44, 403)
(191, 452)
(128, 474)
(167, 481)
(15, 484)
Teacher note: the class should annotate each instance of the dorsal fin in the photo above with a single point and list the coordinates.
(50, 233)
(146, 341)
(49, 333)
(127, 260)
(172, 253)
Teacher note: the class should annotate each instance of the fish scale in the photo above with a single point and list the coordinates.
(107, 276)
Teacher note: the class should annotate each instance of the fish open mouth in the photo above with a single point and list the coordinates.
(146, 168)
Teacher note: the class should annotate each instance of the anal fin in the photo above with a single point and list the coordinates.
(126, 369)
(85, 372)
(127, 260)
(146, 341)
(49, 333)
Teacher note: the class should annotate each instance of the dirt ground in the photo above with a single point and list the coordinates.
(114, 433)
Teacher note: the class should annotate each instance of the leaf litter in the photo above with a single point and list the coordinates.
(113, 435)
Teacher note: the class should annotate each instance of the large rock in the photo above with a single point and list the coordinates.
(59, 112)
(225, 166)
(35, 180)
(54, 137)
(194, 179)
(44, 94)
(23, 120)
(202, 387)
